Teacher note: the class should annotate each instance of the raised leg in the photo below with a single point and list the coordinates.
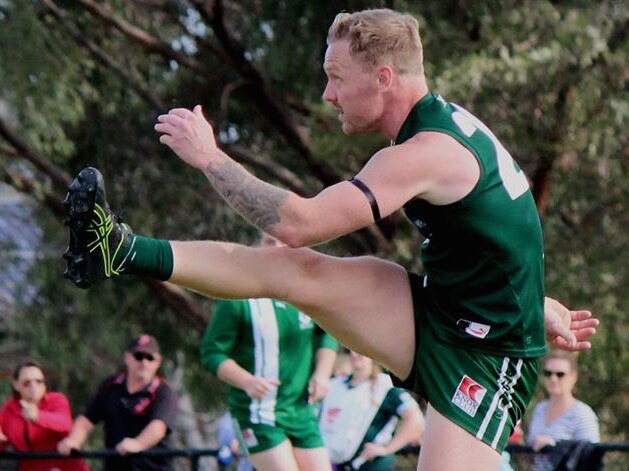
(365, 302)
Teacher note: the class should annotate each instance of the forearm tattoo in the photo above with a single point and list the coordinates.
(255, 200)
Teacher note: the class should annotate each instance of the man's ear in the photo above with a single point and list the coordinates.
(385, 77)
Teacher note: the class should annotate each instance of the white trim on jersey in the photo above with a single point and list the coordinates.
(266, 358)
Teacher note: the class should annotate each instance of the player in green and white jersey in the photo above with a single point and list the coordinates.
(278, 363)
(467, 334)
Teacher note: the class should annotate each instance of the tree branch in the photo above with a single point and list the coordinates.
(29, 186)
(104, 58)
(141, 37)
(39, 161)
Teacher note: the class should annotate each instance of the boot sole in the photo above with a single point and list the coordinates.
(79, 205)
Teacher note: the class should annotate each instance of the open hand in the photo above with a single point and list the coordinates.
(188, 134)
(566, 329)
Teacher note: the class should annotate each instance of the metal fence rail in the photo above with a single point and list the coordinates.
(574, 455)
(223, 454)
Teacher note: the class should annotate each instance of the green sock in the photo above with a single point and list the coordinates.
(149, 257)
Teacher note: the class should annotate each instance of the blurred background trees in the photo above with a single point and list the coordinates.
(82, 81)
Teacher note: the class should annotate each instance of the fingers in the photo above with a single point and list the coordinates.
(582, 346)
(262, 387)
(578, 346)
(563, 333)
(169, 119)
(165, 128)
(585, 333)
(180, 112)
(585, 324)
(167, 140)
(317, 391)
(580, 315)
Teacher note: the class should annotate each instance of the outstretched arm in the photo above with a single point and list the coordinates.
(567, 329)
(291, 218)
(433, 166)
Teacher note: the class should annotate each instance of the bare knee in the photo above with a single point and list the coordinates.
(307, 272)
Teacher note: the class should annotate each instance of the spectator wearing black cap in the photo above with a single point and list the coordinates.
(137, 407)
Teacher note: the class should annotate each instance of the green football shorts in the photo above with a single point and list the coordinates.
(485, 394)
(300, 426)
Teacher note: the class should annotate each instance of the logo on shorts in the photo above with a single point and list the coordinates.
(469, 395)
(249, 438)
(475, 329)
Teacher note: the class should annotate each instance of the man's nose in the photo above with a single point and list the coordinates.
(328, 93)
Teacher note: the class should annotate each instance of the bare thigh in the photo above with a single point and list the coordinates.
(278, 458)
(365, 302)
(312, 459)
(448, 447)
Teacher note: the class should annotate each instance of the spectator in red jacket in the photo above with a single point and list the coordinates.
(33, 419)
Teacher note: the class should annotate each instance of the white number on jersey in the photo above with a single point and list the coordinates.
(513, 179)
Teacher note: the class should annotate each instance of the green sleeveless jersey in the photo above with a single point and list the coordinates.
(483, 255)
(268, 338)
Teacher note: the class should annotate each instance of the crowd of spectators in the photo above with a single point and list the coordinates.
(363, 420)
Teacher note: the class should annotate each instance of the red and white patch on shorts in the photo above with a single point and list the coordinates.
(469, 395)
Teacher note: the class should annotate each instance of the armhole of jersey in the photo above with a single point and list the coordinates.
(371, 199)
(483, 171)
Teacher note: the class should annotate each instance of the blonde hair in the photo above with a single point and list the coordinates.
(381, 37)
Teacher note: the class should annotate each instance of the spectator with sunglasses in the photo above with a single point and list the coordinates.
(138, 409)
(561, 416)
(35, 419)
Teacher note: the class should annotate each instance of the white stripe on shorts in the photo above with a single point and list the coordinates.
(502, 400)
